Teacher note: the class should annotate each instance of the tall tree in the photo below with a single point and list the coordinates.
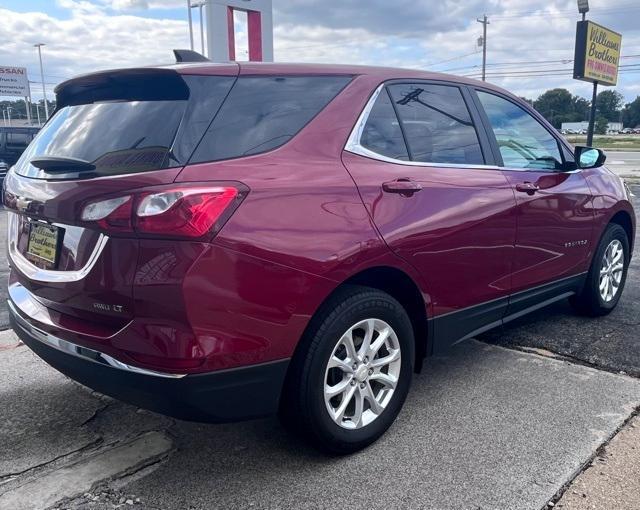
(609, 104)
(556, 105)
(600, 127)
(581, 108)
(631, 114)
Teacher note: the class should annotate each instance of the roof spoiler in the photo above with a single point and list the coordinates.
(189, 56)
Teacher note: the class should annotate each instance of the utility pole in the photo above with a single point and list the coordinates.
(484, 22)
(44, 92)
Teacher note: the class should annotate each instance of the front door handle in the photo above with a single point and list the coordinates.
(405, 187)
(527, 187)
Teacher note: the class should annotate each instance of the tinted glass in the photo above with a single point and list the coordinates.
(437, 124)
(127, 136)
(523, 141)
(18, 140)
(382, 133)
(264, 112)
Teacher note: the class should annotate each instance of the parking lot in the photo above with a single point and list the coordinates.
(503, 421)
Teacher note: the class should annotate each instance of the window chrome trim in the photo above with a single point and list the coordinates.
(46, 275)
(353, 143)
(84, 353)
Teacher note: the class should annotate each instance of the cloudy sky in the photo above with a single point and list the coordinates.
(530, 44)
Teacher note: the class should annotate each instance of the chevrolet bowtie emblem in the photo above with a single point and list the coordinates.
(22, 204)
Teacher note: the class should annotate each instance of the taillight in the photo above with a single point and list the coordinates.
(113, 214)
(177, 211)
(187, 212)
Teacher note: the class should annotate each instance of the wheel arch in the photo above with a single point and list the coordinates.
(402, 287)
(623, 218)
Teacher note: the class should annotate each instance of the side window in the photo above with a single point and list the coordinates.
(523, 141)
(265, 112)
(382, 133)
(437, 124)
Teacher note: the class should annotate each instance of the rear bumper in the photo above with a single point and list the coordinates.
(216, 397)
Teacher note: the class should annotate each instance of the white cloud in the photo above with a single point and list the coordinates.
(101, 34)
(129, 4)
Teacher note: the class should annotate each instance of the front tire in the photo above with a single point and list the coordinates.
(607, 274)
(352, 371)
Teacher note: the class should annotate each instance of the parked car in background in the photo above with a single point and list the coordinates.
(225, 241)
(13, 142)
(4, 168)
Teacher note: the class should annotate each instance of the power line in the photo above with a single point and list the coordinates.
(563, 13)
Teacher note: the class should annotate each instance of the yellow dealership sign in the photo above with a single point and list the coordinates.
(597, 53)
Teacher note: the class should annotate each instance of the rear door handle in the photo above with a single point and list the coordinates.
(402, 187)
(527, 187)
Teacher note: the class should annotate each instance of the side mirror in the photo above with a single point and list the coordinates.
(588, 157)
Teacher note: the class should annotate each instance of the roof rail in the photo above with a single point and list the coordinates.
(189, 56)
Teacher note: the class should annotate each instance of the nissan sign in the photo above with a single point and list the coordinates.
(14, 81)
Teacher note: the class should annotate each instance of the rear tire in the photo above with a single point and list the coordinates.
(607, 274)
(351, 373)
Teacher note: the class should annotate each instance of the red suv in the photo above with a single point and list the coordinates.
(220, 241)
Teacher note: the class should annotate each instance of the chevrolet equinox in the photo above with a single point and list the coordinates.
(219, 242)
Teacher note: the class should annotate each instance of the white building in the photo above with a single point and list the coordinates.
(584, 125)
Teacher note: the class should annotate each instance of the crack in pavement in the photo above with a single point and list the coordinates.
(597, 454)
(113, 462)
(4, 478)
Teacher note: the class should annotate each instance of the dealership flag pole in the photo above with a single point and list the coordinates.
(27, 106)
(190, 25)
(44, 92)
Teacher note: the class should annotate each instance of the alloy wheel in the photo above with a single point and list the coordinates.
(611, 270)
(362, 373)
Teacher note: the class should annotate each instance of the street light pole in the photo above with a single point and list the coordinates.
(190, 24)
(484, 22)
(44, 92)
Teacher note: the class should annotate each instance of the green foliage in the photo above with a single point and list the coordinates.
(19, 109)
(601, 125)
(631, 114)
(608, 104)
(558, 106)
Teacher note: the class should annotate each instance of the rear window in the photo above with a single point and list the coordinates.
(264, 112)
(131, 134)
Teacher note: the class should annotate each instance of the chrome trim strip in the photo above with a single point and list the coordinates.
(83, 353)
(46, 275)
(353, 143)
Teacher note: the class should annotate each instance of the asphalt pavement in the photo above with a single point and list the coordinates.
(626, 164)
(484, 427)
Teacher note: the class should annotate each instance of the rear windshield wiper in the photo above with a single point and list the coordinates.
(61, 164)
